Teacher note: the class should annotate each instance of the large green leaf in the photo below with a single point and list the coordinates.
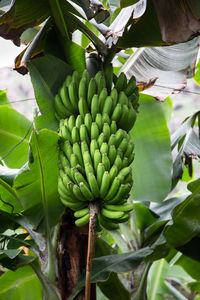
(153, 162)
(14, 135)
(169, 66)
(46, 82)
(20, 284)
(37, 188)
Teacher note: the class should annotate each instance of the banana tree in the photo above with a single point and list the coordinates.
(72, 165)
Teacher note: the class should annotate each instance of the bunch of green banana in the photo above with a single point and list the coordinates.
(95, 147)
(84, 95)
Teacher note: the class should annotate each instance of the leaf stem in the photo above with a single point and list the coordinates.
(91, 249)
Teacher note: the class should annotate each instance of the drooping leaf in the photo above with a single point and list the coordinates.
(112, 288)
(164, 30)
(37, 188)
(153, 162)
(103, 266)
(17, 285)
(164, 209)
(46, 82)
(14, 134)
(186, 220)
(189, 149)
(21, 15)
(126, 16)
(169, 66)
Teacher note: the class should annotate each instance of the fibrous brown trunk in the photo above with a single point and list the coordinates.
(72, 251)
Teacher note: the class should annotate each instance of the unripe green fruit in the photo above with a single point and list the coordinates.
(95, 147)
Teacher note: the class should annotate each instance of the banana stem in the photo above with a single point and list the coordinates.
(91, 249)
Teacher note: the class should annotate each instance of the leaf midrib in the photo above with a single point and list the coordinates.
(14, 136)
(18, 282)
(155, 286)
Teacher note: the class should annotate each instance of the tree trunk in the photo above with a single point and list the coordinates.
(72, 251)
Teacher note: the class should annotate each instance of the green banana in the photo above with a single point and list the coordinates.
(73, 96)
(64, 95)
(92, 90)
(123, 145)
(99, 173)
(123, 100)
(73, 160)
(122, 122)
(61, 111)
(94, 106)
(102, 97)
(121, 82)
(84, 147)
(79, 121)
(84, 134)
(93, 147)
(78, 194)
(99, 121)
(88, 121)
(125, 207)
(112, 154)
(71, 122)
(106, 130)
(114, 96)
(75, 135)
(105, 118)
(117, 112)
(113, 189)
(107, 224)
(73, 206)
(82, 89)
(113, 127)
(113, 172)
(65, 133)
(86, 192)
(111, 214)
(107, 106)
(104, 148)
(81, 213)
(131, 85)
(83, 220)
(97, 158)
(106, 161)
(93, 184)
(77, 151)
(94, 131)
(105, 184)
(101, 139)
(82, 107)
